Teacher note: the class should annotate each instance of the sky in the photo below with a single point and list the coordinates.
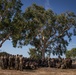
(58, 6)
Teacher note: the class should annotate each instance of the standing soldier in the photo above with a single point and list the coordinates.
(21, 63)
(2, 62)
(5, 62)
(17, 62)
(13, 61)
(10, 61)
(49, 63)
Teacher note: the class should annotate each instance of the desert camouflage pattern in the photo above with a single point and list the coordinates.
(18, 62)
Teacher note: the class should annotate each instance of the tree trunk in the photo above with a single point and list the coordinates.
(43, 54)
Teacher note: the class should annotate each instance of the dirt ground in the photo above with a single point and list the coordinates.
(41, 71)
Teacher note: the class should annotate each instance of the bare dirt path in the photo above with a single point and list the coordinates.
(40, 71)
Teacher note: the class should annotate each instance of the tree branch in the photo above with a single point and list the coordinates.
(60, 35)
(4, 39)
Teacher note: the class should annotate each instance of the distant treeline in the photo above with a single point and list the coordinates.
(4, 53)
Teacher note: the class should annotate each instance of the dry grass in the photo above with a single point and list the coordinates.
(41, 71)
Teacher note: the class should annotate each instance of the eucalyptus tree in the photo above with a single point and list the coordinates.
(71, 53)
(41, 28)
(68, 54)
(48, 30)
(11, 21)
(34, 53)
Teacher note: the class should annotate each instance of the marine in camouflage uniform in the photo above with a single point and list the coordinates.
(2, 62)
(21, 62)
(5, 62)
(17, 62)
(10, 62)
(49, 62)
(13, 62)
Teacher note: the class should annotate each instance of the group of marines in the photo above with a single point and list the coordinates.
(18, 62)
(11, 62)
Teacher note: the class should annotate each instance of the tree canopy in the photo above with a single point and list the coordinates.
(48, 30)
(34, 53)
(43, 29)
(71, 53)
(11, 21)
(4, 54)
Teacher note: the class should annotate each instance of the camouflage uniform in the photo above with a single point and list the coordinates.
(5, 62)
(21, 63)
(10, 62)
(2, 62)
(49, 62)
(13, 62)
(17, 62)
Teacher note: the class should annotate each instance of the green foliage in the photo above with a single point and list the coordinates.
(71, 53)
(68, 54)
(34, 53)
(4, 54)
(41, 28)
(11, 21)
(49, 28)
